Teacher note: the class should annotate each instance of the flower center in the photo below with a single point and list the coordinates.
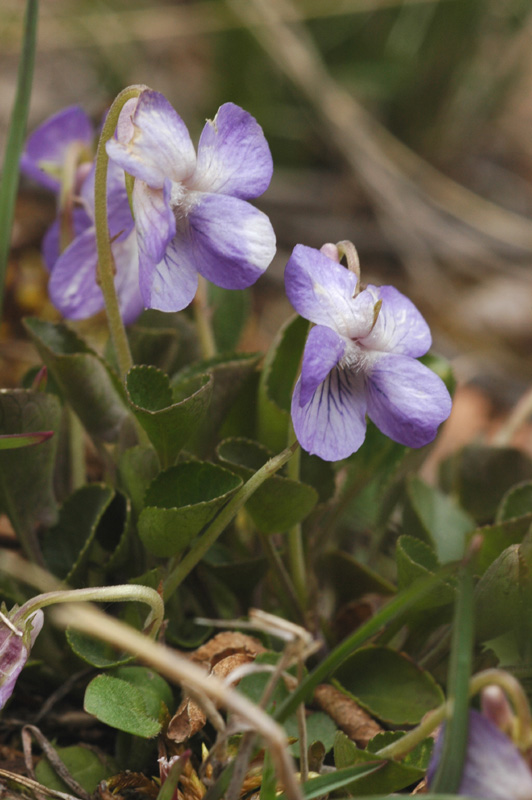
(183, 200)
(356, 358)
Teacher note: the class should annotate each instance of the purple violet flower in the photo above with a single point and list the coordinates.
(190, 210)
(494, 768)
(59, 156)
(17, 637)
(360, 358)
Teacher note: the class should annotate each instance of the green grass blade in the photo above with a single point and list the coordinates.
(449, 772)
(15, 139)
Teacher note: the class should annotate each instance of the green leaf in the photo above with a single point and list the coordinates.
(85, 380)
(415, 560)
(125, 702)
(155, 690)
(496, 538)
(241, 575)
(168, 416)
(435, 516)
(517, 502)
(180, 502)
(279, 503)
(83, 765)
(320, 728)
(95, 652)
(277, 382)
(419, 757)
(229, 311)
(502, 596)
(391, 687)
(479, 477)
(12, 441)
(66, 546)
(137, 467)
(230, 373)
(392, 777)
(26, 474)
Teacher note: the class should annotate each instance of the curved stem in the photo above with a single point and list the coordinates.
(102, 594)
(106, 266)
(178, 573)
(296, 553)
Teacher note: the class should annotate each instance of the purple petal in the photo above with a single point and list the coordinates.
(51, 240)
(73, 288)
(233, 241)
(126, 256)
(171, 284)
(233, 155)
(323, 351)
(152, 142)
(406, 400)
(50, 141)
(332, 425)
(322, 291)
(118, 210)
(399, 328)
(494, 768)
(154, 220)
(14, 654)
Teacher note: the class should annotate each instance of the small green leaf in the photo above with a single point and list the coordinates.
(12, 441)
(277, 382)
(229, 310)
(66, 546)
(392, 777)
(123, 705)
(502, 596)
(320, 728)
(180, 502)
(83, 765)
(435, 516)
(85, 380)
(137, 467)
(497, 537)
(517, 502)
(415, 560)
(168, 416)
(388, 685)
(95, 652)
(349, 578)
(280, 502)
(26, 475)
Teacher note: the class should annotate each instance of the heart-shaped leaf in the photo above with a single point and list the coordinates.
(84, 379)
(180, 502)
(169, 416)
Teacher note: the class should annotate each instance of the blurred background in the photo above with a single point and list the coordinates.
(403, 125)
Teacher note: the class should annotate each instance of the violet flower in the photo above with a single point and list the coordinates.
(17, 637)
(59, 156)
(190, 210)
(494, 768)
(360, 358)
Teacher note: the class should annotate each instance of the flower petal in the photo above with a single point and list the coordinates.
(233, 241)
(494, 768)
(323, 351)
(126, 256)
(171, 284)
(73, 288)
(51, 240)
(322, 291)
(233, 155)
(399, 328)
(154, 220)
(48, 144)
(14, 652)
(152, 141)
(332, 425)
(406, 400)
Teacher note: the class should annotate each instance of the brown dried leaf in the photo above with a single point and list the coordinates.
(223, 653)
(350, 718)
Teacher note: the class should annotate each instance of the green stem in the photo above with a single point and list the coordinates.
(286, 595)
(106, 265)
(202, 318)
(296, 552)
(102, 594)
(15, 138)
(178, 573)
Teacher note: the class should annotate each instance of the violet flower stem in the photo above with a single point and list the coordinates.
(178, 573)
(106, 266)
(202, 318)
(296, 554)
(102, 594)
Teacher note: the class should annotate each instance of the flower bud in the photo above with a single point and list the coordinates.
(16, 640)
